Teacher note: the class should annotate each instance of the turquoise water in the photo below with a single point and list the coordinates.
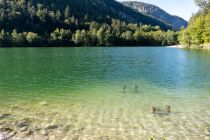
(84, 88)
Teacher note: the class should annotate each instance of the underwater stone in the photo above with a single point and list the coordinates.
(208, 129)
(23, 123)
(24, 129)
(11, 134)
(5, 116)
(2, 136)
(37, 136)
(44, 103)
(52, 127)
(25, 133)
(6, 129)
(43, 132)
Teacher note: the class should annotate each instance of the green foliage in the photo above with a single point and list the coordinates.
(67, 12)
(66, 23)
(202, 3)
(198, 31)
(17, 38)
(32, 37)
(116, 33)
(206, 34)
(80, 37)
(45, 16)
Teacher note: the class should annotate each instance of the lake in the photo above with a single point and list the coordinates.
(105, 93)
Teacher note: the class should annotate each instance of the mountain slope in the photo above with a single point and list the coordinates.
(151, 10)
(36, 15)
(101, 9)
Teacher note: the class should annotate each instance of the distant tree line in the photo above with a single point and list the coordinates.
(116, 34)
(198, 32)
(23, 24)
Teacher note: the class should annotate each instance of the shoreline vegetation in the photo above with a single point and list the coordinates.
(117, 33)
(25, 23)
(197, 34)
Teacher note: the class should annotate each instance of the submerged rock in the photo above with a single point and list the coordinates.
(38, 136)
(24, 129)
(6, 116)
(43, 103)
(11, 134)
(6, 129)
(52, 127)
(208, 129)
(23, 123)
(43, 132)
(104, 138)
(2, 136)
(25, 133)
(6, 133)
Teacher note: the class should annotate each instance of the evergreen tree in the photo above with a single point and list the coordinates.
(67, 12)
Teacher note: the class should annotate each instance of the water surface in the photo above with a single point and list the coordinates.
(82, 88)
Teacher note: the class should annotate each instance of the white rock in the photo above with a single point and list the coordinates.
(2, 136)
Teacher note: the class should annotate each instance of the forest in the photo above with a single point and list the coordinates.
(197, 35)
(26, 23)
(117, 34)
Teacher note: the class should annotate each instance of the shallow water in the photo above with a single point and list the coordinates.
(81, 91)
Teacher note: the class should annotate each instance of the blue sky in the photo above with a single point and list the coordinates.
(182, 8)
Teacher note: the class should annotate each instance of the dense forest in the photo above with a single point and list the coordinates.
(75, 23)
(197, 35)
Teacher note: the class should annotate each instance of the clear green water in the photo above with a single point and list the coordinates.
(83, 89)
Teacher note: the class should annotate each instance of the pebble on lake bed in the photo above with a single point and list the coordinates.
(2, 136)
(154, 110)
(44, 103)
(5, 116)
(208, 129)
(52, 127)
(23, 123)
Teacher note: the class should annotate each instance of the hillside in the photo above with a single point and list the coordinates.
(36, 15)
(154, 11)
(79, 23)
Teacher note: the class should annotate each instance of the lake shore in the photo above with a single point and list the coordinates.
(175, 46)
(204, 46)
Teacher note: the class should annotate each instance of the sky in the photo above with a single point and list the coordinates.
(182, 8)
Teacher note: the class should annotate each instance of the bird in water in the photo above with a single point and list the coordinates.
(168, 109)
(136, 88)
(124, 88)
